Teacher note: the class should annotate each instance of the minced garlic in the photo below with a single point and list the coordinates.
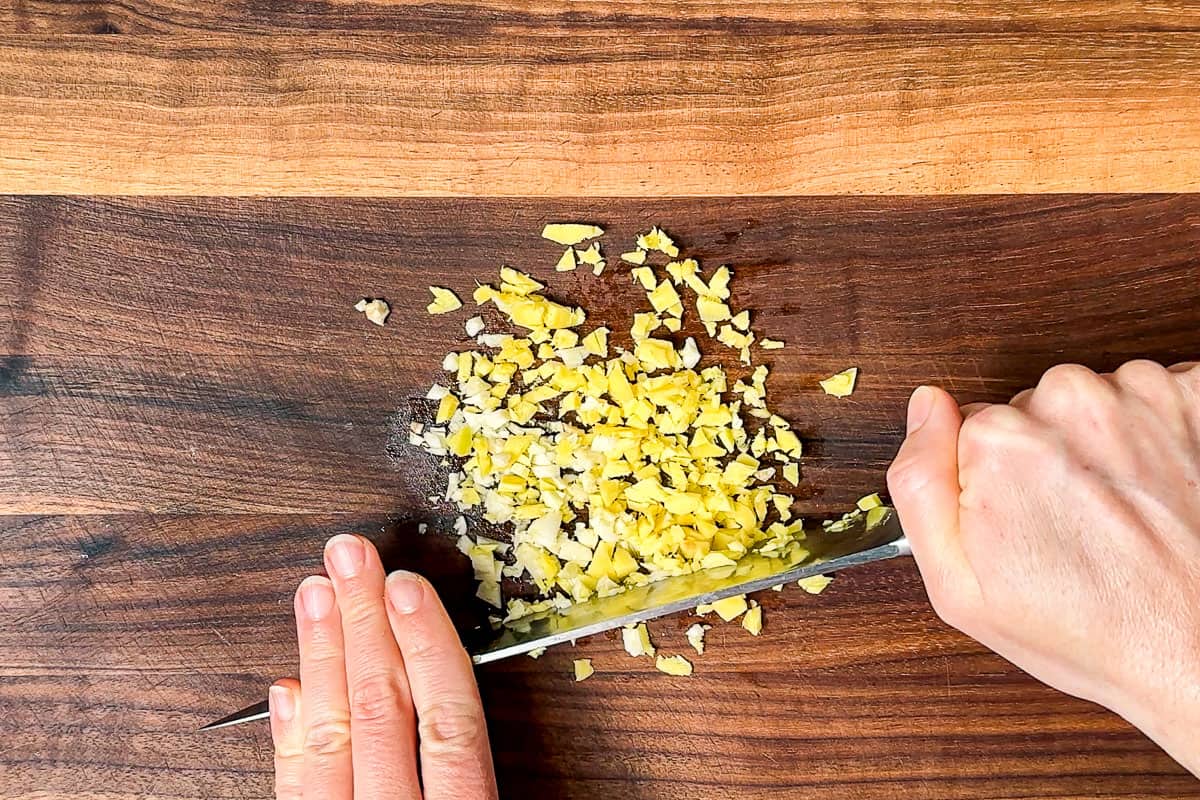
(374, 310)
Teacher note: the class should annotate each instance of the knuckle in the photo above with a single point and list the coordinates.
(1065, 388)
(451, 726)
(1141, 371)
(1067, 378)
(993, 423)
(904, 475)
(360, 611)
(288, 750)
(375, 698)
(327, 737)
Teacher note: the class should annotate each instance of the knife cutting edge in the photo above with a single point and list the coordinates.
(860, 540)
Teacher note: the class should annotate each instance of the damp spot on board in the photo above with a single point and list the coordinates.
(96, 546)
(12, 371)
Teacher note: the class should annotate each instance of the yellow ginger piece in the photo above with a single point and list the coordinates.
(695, 637)
(644, 276)
(570, 233)
(752, 620)
(663, 297)
(791, 474)
(869, 502)
(637, 640)
(841, 384)
(814, 584)
(592, 257)
(567, 261)
(656, 239)
(711, 309)
(444, 301)
(596, 342)
(673, 665)
(583, 669)
(728, 609)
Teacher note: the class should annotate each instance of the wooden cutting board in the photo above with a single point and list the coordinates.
(189, 405)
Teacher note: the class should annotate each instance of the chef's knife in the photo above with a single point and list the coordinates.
(860, 539)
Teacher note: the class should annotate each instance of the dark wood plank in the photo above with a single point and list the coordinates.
(616, 18)
(552, 113)
(119, 635)
(189, 434)
(187, 378)
(944, 277)
(187, 356)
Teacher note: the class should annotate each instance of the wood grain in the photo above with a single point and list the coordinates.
(120, 635)
(555, 112)
(180, 356)
(614, 18)
(268, 277)
(189, 407)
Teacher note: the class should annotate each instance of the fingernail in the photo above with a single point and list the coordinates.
(405, 591)
(345, 555)
(316, 597)
(919, 407)
(283, 705)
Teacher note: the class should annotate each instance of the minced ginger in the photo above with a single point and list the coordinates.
(613, 465)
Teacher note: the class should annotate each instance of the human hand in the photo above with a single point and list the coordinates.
(386, 705)
(1062, 530)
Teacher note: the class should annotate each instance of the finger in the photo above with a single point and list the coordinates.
(1184, 366)
(287, 735)
(456, 763)
(328, 771)
(383, 731)
(924, 484)
(971, 409)
(1021, 399)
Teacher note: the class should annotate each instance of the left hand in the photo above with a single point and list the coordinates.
(386, 705)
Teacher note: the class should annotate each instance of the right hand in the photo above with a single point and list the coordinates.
(1062, 530)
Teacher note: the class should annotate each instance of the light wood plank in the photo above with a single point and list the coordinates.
(566, 114)
(616, 17)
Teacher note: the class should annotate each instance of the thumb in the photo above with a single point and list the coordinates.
(923, 482)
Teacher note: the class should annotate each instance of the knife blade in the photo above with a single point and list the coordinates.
(826, 550)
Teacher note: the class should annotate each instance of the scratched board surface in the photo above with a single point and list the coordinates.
(189, 406)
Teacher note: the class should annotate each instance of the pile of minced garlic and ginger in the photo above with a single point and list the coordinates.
(614, 466)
